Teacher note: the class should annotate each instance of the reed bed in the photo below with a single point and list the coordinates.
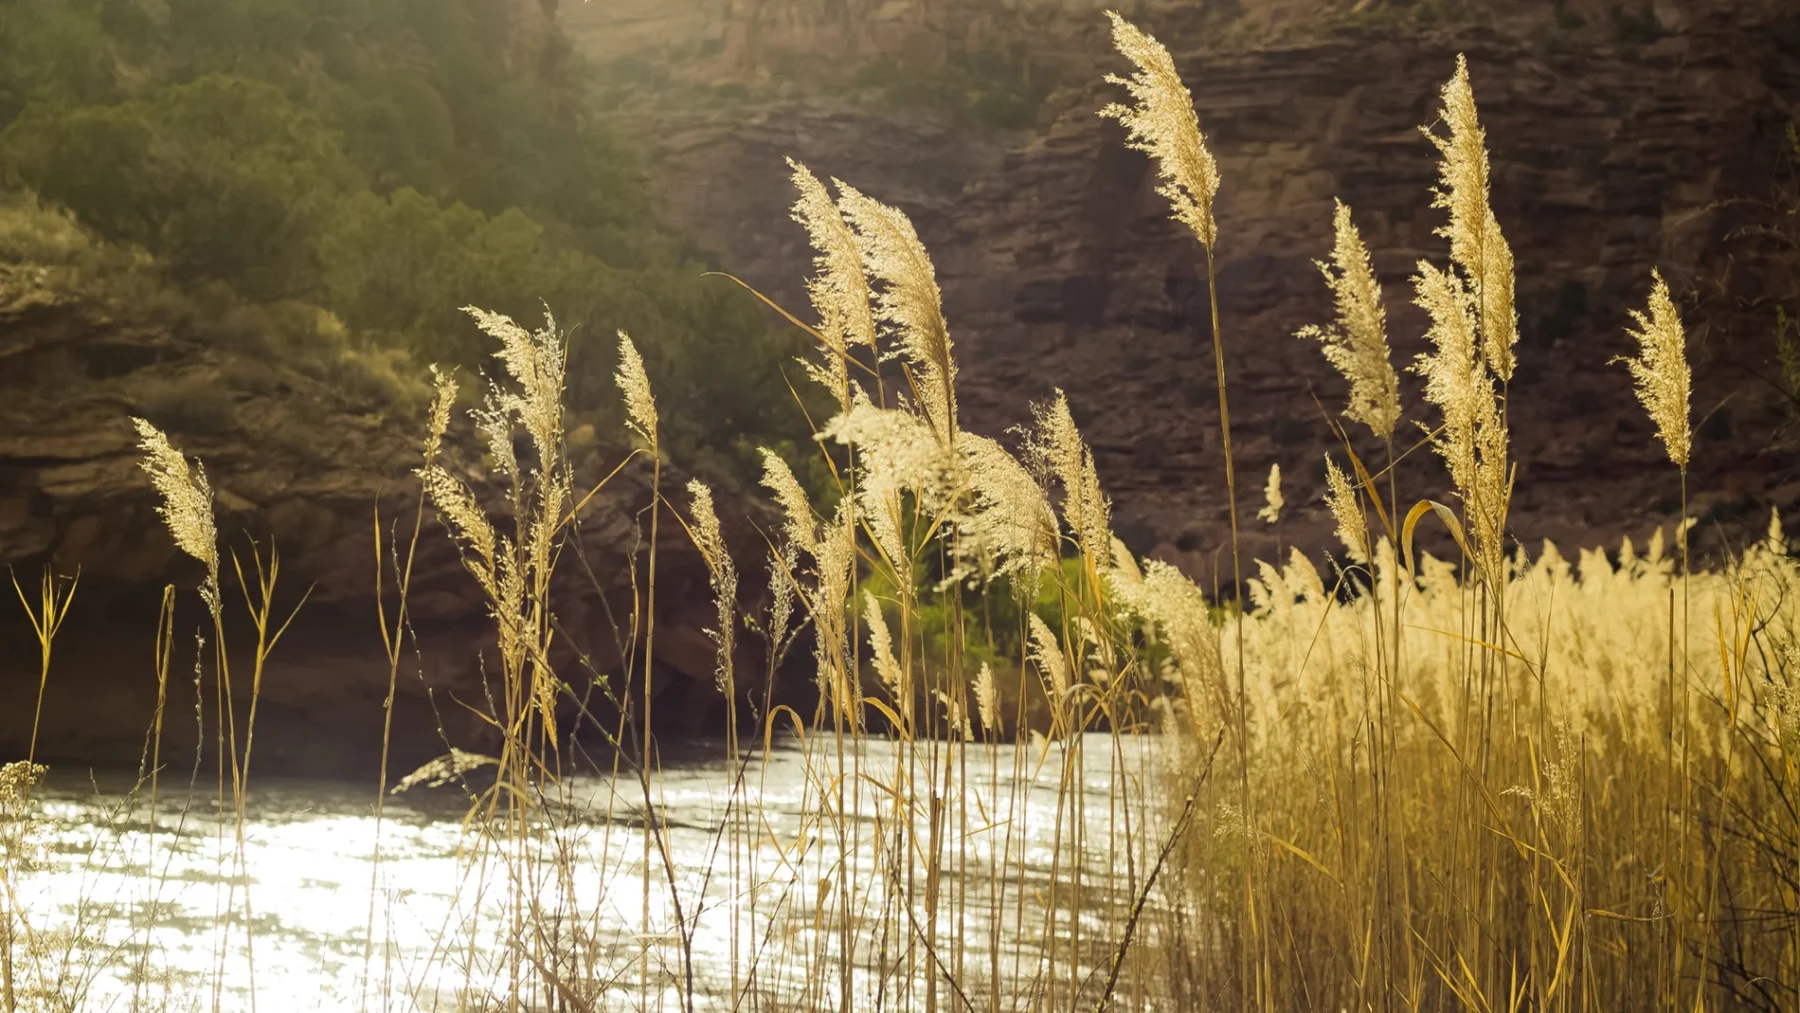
(1503, 781)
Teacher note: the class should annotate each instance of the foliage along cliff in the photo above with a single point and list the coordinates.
(1624, 137)
(253, 223)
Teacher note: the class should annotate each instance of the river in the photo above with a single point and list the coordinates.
(746, 895)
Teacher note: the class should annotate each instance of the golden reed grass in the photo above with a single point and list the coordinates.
(1503, 782)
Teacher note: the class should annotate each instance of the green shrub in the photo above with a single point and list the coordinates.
(193, 405)
(223, 177)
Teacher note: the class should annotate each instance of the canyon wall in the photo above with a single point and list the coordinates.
(1621, 141)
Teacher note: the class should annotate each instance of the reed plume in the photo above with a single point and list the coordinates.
(909, 302)
(710, 540)
(1356, 343)
(840, 290)
(1047, 654)
(467, 522)
(1499, 318)
(535, 360)
(634, 385)
(1352, 525)
(1011, 523)
(881, 655)
(900, 452)
(1473, 438)
(1476, 243)
(834, 570)
(1272, 498)
(801, 529)
(1177, 611)
(1473, 327)
(443, 398)
(1057, 450)
(1661, 371)
(987, 699)
(187, 504)
(1162, 123)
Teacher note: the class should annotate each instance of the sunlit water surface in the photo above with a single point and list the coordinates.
(130, 919)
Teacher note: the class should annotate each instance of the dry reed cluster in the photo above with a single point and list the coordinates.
(1501, 782)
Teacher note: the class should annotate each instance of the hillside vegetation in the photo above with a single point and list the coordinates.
(384, 160)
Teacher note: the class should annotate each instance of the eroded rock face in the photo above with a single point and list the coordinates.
(1618, 145)
(299, 460)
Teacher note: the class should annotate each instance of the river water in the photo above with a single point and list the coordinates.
(754, 892)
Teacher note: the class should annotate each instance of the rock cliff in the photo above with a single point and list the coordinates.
(1623, 139)
(300, 452)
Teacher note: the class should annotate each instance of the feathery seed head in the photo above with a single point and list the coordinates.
(1047, 653)
(1661, 371)
(781, 598)
(1356, 343)
(535, 361)
(1177, 610)
(987, 699)
(1499, 318)
(187, 503)
(1463, 172)
(1162, 123)
(1124, 567)
(900, 452)
(1057, 450)
(634, 384)
(494, 424)
(881, 655)
(707, 536)
(909, 301)
(1352, 526)
(834, 564)
(802, 531)
(1473, 441)
(443, 398)
(1011, 523)
(840, 291)
(1272, 500)
(956, 716)
(1454, 375)
(467, 522)
(710, 540)
(1477, 245)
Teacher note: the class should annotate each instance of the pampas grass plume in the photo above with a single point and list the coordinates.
(1161, 122)
(909, 301)
(187, 503)
(443, 398)
(1661, 371)
(1356, 343)
(881, 655)
(1049, 657)
(1476, 242)
(1352, 526)
(710, 540)
(535, 361)
(1057, 449)
(1272, 498)
(987, 699)
(634, 384)
(840, 290)
(802, 531)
